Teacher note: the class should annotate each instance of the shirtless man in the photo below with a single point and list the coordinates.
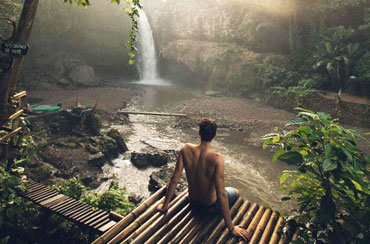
(205, 174)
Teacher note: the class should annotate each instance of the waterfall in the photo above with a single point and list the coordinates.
(147, 63)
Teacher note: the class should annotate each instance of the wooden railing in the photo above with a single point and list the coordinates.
(15, 127)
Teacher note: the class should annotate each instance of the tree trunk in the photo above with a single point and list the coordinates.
(8, 79)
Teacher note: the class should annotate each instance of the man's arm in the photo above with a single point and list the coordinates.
(224, 202)
(173, 182)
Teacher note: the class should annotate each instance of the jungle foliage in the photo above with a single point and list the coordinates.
(331, 183)
(326, 41)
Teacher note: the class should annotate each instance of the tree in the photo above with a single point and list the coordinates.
(8, 78)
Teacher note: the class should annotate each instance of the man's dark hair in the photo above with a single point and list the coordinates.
(207, 129)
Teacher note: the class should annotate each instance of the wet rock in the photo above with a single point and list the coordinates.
(92, 149)
(135, 199)
(122, 147)
(156, 159)
(93, 123)
(97, 160)
(160, 178)
(40, 173)
(83, 75)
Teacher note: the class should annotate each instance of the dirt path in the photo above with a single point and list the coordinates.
(346, 98)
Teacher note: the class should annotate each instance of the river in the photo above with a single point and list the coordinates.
(249, 168)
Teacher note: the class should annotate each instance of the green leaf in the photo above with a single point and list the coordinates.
(293, 158)
(284, 177)
(357, 185)
(277, 154)
(329, 165)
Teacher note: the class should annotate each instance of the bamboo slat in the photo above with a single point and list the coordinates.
(277, 230)
(283, 239)
(116, 215)
(166, 238)
(296, 233)
(100, 225)
(203, 233)
(137, 223)
(188, 226)
(222, 224)
(15, 115)
(130, 217)
(11, 134)
(177, 204)
(162, 231)
(253, 225)
(269, 228)
(98, 222)
(225, 234)
(198, 226)
(107, 226)
(260, 227)
(19, 95)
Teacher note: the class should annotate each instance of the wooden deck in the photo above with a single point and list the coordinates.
(183, 225)
(80, 213)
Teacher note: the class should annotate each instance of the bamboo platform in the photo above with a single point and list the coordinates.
(95, 219)
(145, 225)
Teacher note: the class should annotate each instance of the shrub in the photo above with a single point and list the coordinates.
(331, 184)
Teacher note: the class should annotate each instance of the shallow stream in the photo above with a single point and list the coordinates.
(248, 168)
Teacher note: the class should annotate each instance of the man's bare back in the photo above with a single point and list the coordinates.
(200, 163)
(205, 174)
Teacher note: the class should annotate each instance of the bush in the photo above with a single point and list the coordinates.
(332, 182)
(112, 200)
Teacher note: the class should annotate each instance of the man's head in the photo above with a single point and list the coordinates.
(207, 129)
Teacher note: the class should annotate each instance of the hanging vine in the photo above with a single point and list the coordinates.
(132, 9)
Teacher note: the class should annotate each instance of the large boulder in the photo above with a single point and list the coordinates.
(83, 75)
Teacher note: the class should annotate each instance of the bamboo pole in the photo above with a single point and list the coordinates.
(165, 228)
(202, 234)
(296, 233)
(15, 115)
(165, 239)
(130, 217)
(159, 222)
(10, 134)
(236, 220)
(277, 230)
(283, 239)
(269, 228)
(152, 113)
(19, 95)
(136, 223)
(146, 223)
(186, 229)
(116, 215)
(253, 225)
(260, 227)
(189, 236)
(222, 224)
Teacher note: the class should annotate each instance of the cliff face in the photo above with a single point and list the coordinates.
(213, 39)
(65, 38)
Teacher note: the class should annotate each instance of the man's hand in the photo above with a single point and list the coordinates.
(243, 233)
(161, 208)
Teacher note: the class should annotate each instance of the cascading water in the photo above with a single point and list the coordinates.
(147, 63)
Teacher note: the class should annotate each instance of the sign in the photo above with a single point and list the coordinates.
(6, 63)
(16, 49)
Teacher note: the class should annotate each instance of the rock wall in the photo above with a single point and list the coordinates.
(213, 39)
(70, 39)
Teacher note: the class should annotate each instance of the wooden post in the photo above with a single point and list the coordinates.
(8, 79)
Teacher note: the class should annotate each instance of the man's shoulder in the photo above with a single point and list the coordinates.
(188, 146)
(215, 157)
